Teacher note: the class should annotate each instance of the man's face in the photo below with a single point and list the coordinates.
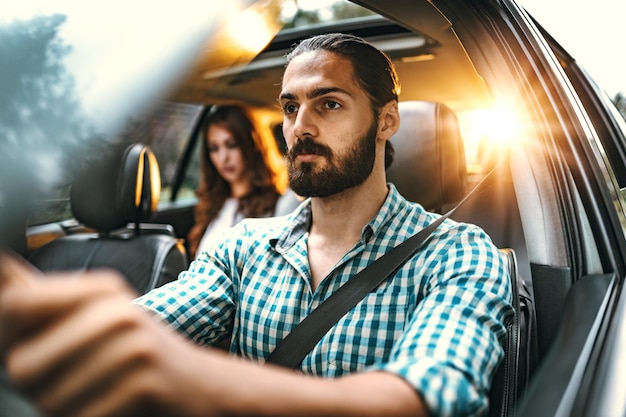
(328, 124)
(342, 170)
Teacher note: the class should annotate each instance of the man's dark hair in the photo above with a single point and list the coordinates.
(373, 69)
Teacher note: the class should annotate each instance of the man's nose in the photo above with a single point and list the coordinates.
(305, 123)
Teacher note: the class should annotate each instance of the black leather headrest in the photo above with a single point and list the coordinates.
(429, 164)
(122, 189)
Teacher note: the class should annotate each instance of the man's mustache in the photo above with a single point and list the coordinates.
(308, 146)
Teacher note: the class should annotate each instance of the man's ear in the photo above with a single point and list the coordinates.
(388, 120)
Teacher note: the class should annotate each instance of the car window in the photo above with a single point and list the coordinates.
(313, 13)
(167, 130)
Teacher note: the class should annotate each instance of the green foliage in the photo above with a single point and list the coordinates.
(339, 10)
(38, 111)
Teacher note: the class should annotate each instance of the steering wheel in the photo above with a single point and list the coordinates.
(12, 403)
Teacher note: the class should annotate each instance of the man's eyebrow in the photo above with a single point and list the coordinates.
(286, 96)
(318, 92)
(322, 91)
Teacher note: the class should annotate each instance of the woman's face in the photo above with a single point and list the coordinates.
(226, 156)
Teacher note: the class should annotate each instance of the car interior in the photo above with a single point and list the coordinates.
(111, 201)
(429, 168)
(472, 123)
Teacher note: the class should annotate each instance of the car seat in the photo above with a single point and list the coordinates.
(113, 199)
(520, 347)
(429, 157)
(430, 168)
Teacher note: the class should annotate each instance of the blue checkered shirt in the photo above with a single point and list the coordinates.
(436, 323)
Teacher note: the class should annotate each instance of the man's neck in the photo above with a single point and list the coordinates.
(344, 215)
(337, 222)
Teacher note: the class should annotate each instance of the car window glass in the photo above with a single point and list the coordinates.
(167, 131)
(313, 12)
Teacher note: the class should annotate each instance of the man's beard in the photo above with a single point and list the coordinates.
(343, 171)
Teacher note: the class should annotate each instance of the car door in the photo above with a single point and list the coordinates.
(592, 322)
(578, 275)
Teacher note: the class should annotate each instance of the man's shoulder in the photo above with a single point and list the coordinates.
(413, 217)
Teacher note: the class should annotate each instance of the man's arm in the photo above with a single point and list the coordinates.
(78, 347)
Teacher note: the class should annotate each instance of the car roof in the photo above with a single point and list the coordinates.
(431, 63)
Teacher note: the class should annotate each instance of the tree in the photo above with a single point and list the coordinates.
(41, 126)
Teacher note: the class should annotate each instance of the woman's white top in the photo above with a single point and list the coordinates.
(229, 216)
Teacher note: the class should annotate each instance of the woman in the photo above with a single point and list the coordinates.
(242, 175)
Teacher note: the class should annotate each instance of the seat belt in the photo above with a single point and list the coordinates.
(296, 345)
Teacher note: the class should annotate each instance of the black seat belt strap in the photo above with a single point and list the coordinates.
(296, 345)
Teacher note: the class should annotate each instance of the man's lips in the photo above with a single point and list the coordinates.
(307, 157)
(306, 150)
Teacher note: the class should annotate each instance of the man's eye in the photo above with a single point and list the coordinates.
(289, 108)
(332, 104)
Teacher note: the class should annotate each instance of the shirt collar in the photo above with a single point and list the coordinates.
(299, 225)
(301, 220)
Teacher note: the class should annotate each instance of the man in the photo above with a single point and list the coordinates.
(426, 342)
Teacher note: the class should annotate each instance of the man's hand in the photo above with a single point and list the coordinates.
(77, 346)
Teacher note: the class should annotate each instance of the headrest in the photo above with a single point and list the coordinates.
(429, 159)
(117, 191)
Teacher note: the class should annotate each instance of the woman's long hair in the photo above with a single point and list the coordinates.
(264, 165)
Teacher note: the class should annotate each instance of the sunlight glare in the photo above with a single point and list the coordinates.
(486, 131)
(496, 125)
(250, 31)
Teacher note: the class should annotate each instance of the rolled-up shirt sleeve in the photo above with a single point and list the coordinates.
(451, 344)
(201, 303)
